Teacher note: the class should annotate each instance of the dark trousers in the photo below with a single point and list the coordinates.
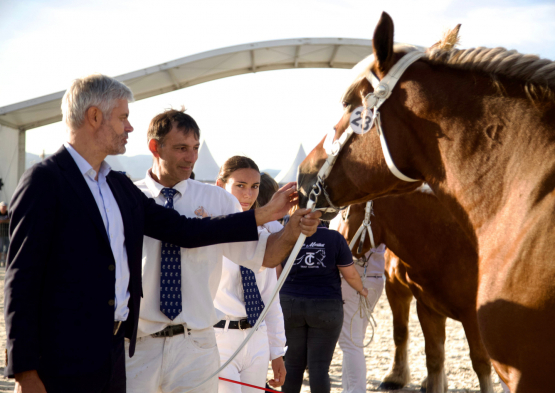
(110, 378)
(312, 328)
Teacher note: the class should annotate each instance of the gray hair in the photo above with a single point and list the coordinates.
(94, 90)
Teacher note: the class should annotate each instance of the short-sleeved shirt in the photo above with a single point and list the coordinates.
(314, 274)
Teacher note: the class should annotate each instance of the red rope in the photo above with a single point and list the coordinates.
(246, 384)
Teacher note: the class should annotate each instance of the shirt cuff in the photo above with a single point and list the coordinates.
(276, 352)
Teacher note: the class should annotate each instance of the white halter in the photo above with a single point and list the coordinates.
(373, 101)
(363, 229)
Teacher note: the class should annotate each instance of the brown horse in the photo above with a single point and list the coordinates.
(435, 262)
(478, 125)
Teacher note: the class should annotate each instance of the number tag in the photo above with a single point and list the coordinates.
(361, 122)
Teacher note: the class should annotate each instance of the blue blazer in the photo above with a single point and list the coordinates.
(60, 280)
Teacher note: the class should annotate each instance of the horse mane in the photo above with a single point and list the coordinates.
(537, 74)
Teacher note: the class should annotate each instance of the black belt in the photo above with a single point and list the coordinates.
(241, 325)
(170, 331)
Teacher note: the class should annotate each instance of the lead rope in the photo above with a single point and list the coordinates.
(364, 308)
(288, 265)
(365, 311)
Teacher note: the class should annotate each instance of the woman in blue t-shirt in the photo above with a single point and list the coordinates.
(313, 308)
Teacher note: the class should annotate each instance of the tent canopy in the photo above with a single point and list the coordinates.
(290, 174)
(205, 67)
(206, 169)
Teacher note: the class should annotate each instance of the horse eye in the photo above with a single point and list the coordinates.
(345, 105)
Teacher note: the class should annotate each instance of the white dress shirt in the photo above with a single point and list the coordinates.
(201, 268)
(111, 216)
(230, 298)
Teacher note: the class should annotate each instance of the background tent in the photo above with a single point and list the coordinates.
(290, 173)
(206, 169)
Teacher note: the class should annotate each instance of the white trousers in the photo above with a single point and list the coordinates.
(173, 364)
(251, 364)
(354, 363)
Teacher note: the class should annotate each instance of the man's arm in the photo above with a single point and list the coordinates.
(168, 225)
(32, 213)
(280, 244)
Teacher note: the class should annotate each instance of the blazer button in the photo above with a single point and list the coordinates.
(111, 268)
(111, 302)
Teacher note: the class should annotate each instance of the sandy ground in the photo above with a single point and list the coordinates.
(458, 367)
(460, 375)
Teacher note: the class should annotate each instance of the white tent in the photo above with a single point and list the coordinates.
(206, 169)
(290, 174)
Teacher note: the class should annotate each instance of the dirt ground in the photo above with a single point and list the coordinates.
(458, 367)
(460, 375)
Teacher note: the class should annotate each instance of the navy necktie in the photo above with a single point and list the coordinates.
(170, 273)
(253, 301)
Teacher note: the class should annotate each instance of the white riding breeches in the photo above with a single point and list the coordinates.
(251, 364)
(173, 364)
(354, 363)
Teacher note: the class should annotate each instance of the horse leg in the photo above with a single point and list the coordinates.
(433, 327)
(478, 354)
(399, 298)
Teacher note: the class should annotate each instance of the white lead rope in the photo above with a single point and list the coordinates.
(365, 311)
(281, 280)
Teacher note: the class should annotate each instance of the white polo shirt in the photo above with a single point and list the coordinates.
(201, 268)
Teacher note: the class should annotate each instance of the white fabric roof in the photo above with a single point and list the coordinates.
(204, 67)
(290, 174)
(206, 168)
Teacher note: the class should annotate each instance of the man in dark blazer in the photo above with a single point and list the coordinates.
(73, 281)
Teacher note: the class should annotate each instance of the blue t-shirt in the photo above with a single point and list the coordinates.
(314, 274)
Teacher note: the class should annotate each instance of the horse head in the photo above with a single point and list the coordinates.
(362, 170)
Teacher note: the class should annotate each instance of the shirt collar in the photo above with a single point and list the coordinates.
(156, 188)
(84, 167)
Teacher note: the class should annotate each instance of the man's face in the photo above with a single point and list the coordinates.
(178, 155)
(114, 131)
(3, 209)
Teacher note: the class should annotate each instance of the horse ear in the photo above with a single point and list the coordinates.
(449, 40)
(382, 44)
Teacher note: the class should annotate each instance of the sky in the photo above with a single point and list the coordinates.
(44, 45)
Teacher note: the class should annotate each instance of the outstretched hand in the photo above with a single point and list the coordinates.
(304, 221)
(282, 201)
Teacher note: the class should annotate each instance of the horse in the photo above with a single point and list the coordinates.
(478, 125)
(429, 257)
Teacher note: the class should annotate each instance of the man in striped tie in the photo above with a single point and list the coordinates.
(176, 349)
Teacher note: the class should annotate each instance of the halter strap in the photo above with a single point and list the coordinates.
(382, 91)
(375, 99)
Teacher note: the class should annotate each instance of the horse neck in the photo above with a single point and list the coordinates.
(416, 227)
(483, 153)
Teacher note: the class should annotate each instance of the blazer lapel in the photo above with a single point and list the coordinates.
(75, 178)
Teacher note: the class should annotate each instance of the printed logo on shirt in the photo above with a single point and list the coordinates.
(201, 212)
(312, 256)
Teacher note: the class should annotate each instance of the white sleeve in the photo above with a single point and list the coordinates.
(274, 319)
